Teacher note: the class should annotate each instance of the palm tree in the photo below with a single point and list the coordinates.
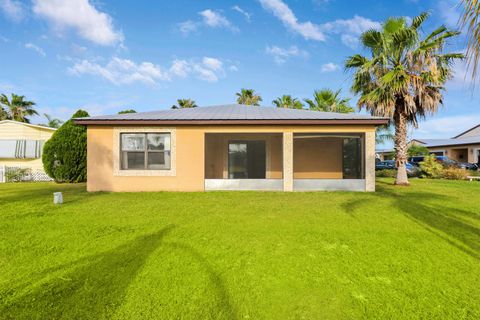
(3, 113)
(185, 103)
(52, 122)
(17, 107)
(286, 101)
(248, 97)
(329, 101)
(471, 20)
(404, 77)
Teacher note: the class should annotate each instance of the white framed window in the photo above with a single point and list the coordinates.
(144, 151)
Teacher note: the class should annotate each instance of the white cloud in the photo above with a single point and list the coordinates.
(123, 71)
(307, 30)
(35, 48)
(246, 14)
(449, 12)
(13, 9)
(281, 55)
(445, 127)
(81, 16)
(210, 19)
(187, 27)
(330, 67)
(350, 29)
(215, 19)
(212, 63)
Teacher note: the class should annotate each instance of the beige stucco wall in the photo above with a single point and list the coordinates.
(190, 161)
(12, 130)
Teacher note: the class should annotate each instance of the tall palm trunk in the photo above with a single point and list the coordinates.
(400, 121)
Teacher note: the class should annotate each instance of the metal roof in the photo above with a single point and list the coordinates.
(28, 124)
(449, 142)
(232, 112)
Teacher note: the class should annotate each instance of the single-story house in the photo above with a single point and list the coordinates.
(464, 147)
(231, 147)
(21, 146)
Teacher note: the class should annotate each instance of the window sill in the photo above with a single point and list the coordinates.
(145, 173)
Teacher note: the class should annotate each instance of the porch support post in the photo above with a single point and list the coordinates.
(288, 161)
(370, 161)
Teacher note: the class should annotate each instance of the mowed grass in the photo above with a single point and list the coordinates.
(399, 253)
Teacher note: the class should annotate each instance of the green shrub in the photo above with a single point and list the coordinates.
(417, 150)
(431, 168)
(386, 173)
(452, 173)
(17, 174)
(65, 153)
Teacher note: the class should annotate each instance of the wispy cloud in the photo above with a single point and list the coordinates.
(123, 71)
(81, 16)
(246, 14)
(449, 12)
(281, 55)
(350, 29)
(13, 10)
(329, 67)
(35, 48)
(307, 30)
(446, 127)
(209, 19)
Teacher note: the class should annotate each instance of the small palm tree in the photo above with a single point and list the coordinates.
(17, 107)
(52, 122)
(286, 101)
(471, 20)
(404, 77)
(248, 97)
(329, 101)
(185, 103)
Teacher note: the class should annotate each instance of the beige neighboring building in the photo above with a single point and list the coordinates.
(464, 147)
(231, 147)
(21, 146)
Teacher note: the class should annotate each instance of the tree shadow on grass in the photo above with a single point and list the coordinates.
(447, 223)
(224, 308)
(92, 290)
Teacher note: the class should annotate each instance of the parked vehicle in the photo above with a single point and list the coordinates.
(390, 165)
(446, 162)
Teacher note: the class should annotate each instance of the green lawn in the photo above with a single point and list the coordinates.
(399, 253)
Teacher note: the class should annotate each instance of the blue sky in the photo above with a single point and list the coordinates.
(105, 56)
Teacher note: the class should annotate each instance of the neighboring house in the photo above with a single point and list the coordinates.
(231, 147)
(21, 146)
(385, 154)
(464, 147)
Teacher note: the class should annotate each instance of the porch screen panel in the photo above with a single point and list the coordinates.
(353, 158)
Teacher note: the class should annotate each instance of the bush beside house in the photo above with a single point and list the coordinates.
(65, 154)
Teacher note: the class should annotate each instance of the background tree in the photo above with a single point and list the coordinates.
(17, 108)
(248, 97)
(3, 113)
(184, 104)
(286, 101)
(417, 150)
(65, 153)
(404, 77)
(471, 21)
(127, 111)
(384, 134)
(329, 101)
(52, 122)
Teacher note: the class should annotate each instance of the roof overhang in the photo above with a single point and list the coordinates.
(377, 122)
